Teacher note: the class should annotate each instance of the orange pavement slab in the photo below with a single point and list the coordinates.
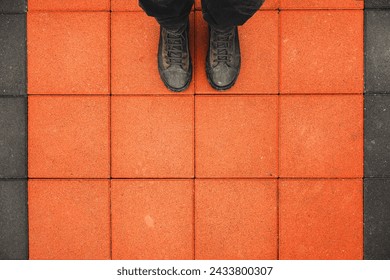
(321, 219)
(259, 51)
(69, 219)
(69, 137)
(321, 136)
(236, 136)
(152, 136)
(321, 4)
(321, 52)
(69, 5)
(68, 53)
(125, 5)
(236, 219)
(134, 45)
(152, 219)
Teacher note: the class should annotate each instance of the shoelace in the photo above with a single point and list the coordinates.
(175, 49)
(222, 46)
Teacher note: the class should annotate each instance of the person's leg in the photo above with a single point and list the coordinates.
(229, 13)
(223, 60)
(168, 13)
(174, 59)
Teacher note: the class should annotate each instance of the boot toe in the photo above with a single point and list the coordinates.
(223, 77)
(176, 79)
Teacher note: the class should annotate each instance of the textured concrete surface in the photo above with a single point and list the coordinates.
(13, 137)
(69, 219)
(321, 219)
(377, 51)
(377, 135)
(376, 219)
(236, 219)
(153, 219)
(13, 220)
(12, 54)
(13, 6)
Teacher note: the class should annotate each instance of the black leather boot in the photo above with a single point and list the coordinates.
(174, 59)
(223, 57)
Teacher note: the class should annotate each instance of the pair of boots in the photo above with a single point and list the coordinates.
(222, 62)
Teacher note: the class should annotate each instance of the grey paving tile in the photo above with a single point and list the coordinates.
(377, 3)
(376, 219)
(13, 6)
(13, 142)
(12, 54)
(13, 220)
(377, 51)
(377, 135)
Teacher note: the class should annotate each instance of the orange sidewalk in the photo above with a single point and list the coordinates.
(120, 167)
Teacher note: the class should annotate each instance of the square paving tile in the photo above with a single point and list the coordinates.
(152, 136)
(259, 66)
(321, 219)
(134, 42)
(321, 52)
(377, 54)
(125, 5)
(376, 219)
(152, 219)
(13, 137)
(377, 3)
(69, 5)
(68, 137)
(377, 136)
(12, 54)
(267, 5)
(13, 6)
(321, 136)
(236, 136)
(71, 52)
(69, 219)
(13, 220)
(322, 4)
(236, 219)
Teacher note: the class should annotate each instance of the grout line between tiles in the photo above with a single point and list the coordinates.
(199, 178)
(110, 124)
(278, 129)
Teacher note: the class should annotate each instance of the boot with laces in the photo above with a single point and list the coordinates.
(174, 59)
(223, 60)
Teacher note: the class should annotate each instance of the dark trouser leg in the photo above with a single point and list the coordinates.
(228, 13)
(170, 14)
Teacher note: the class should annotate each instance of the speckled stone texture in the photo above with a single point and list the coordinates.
(236, 219)
(320, 219)
(377, 54)
(12, 54)
(69, 219)
(321, 4)
(236, 136)
(152, 219)
(152, 136)
(69, 137)
(321, 136)
(376, 4)
(13, 137)
(377, 135)
(376, 219)
(70, 50)
(13, 6)
(69, 5)
(321, 52)
(13, 220)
